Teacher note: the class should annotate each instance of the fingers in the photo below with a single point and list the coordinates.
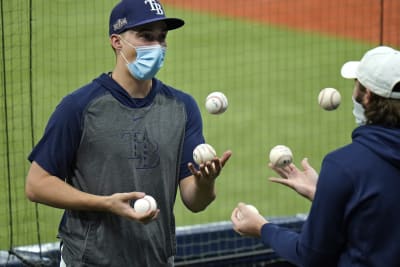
(205, 169)
(246, 221)
(225, 157)
(234, 218)
(192, 169)
(210, 169)
(239, 209)
(122, 204)
(241, 206)
(282, 181)
(147, 216)
(277, 170)
(285, 171)
(132, 195)
(279, 180)
(305, 164)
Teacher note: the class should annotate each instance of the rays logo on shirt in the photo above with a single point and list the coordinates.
(155, 6)
(143, 151)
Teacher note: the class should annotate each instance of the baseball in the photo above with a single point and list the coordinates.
(239, 215)
(329, 98)
(280, 156)
(216, 103)
(153, 203)
(203, 153)
(145, 204)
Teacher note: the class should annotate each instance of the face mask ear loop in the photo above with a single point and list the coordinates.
(128, 43)
(123, 56)
(131, 45)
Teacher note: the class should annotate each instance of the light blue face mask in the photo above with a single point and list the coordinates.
(149, 60)
(358, 112)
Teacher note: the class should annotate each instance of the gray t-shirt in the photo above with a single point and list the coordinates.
(123, 145)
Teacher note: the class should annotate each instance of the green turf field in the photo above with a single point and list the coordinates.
(271, 76)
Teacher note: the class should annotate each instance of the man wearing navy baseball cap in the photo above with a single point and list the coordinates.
(121, 137)
(129, 14)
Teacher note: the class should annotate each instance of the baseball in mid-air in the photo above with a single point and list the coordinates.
(280, 156)
(203, 153)
(216, 103)
(329, 98)
(239, 215)
(145, 204)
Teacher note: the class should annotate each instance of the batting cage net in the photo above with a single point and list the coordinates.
(270, 58)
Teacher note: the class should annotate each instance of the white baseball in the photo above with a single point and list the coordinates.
(280, 156)
(216, 103)
(329, 98)
(153, 203)
(203, 153)
(239, 215)
(145, 204)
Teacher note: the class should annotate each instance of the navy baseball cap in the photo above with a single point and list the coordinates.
(131, 13)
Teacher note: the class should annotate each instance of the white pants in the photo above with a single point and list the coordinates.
(62, 263)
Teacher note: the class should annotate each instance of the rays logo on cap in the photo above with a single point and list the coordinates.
(155, 6)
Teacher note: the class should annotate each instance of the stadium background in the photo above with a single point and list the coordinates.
(271, 58)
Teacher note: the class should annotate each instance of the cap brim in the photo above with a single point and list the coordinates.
(349, 69)
(172, 23)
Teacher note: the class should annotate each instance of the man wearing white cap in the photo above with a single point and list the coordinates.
(354, 215)
(124, 135)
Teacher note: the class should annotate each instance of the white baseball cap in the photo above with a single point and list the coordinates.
(378, 70)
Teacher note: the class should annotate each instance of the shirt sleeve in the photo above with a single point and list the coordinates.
(322, 237)
(55, 151)
(193, 135)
